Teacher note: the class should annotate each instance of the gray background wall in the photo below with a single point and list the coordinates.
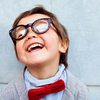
(81, 18)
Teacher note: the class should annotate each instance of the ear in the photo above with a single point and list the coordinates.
(63, 46)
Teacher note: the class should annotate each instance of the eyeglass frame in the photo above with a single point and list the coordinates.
(49, 20)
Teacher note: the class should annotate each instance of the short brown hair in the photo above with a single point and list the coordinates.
(61, 30)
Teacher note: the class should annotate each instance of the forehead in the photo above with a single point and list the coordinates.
(31, 18)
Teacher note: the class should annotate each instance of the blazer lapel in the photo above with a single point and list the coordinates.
(21, 89)
(24, 96)
(67, 96)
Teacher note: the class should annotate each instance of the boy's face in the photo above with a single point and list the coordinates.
(35, 49)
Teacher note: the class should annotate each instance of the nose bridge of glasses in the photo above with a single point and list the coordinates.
(30, 32)
(29, 27)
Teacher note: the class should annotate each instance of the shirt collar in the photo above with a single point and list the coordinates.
(32, 81)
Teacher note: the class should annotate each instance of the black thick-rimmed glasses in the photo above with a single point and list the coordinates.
(39, 26)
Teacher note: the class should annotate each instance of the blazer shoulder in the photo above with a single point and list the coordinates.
(75, 87)
(15, 89)
(9, 92)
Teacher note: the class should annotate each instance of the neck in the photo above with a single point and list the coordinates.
(43, 72)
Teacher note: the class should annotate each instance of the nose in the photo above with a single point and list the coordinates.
(31, 34)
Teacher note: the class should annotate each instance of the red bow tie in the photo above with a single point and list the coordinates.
(38, 93)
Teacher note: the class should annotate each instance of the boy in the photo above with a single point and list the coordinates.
(41, 44)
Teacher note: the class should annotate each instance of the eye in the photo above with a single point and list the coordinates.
(19, 32)
(41, 26)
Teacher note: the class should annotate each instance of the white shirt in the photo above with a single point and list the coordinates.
(33, 82)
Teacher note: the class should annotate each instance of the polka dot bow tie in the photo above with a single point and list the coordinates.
(41, 92)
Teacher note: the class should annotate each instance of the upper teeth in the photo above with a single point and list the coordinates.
(33, 46)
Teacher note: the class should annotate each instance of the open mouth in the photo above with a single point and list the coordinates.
(34, 47)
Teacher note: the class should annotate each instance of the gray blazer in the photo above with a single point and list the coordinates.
(15, 90)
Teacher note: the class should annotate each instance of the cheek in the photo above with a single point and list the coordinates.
(52, 43)
(19, 49)
(20, 53)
